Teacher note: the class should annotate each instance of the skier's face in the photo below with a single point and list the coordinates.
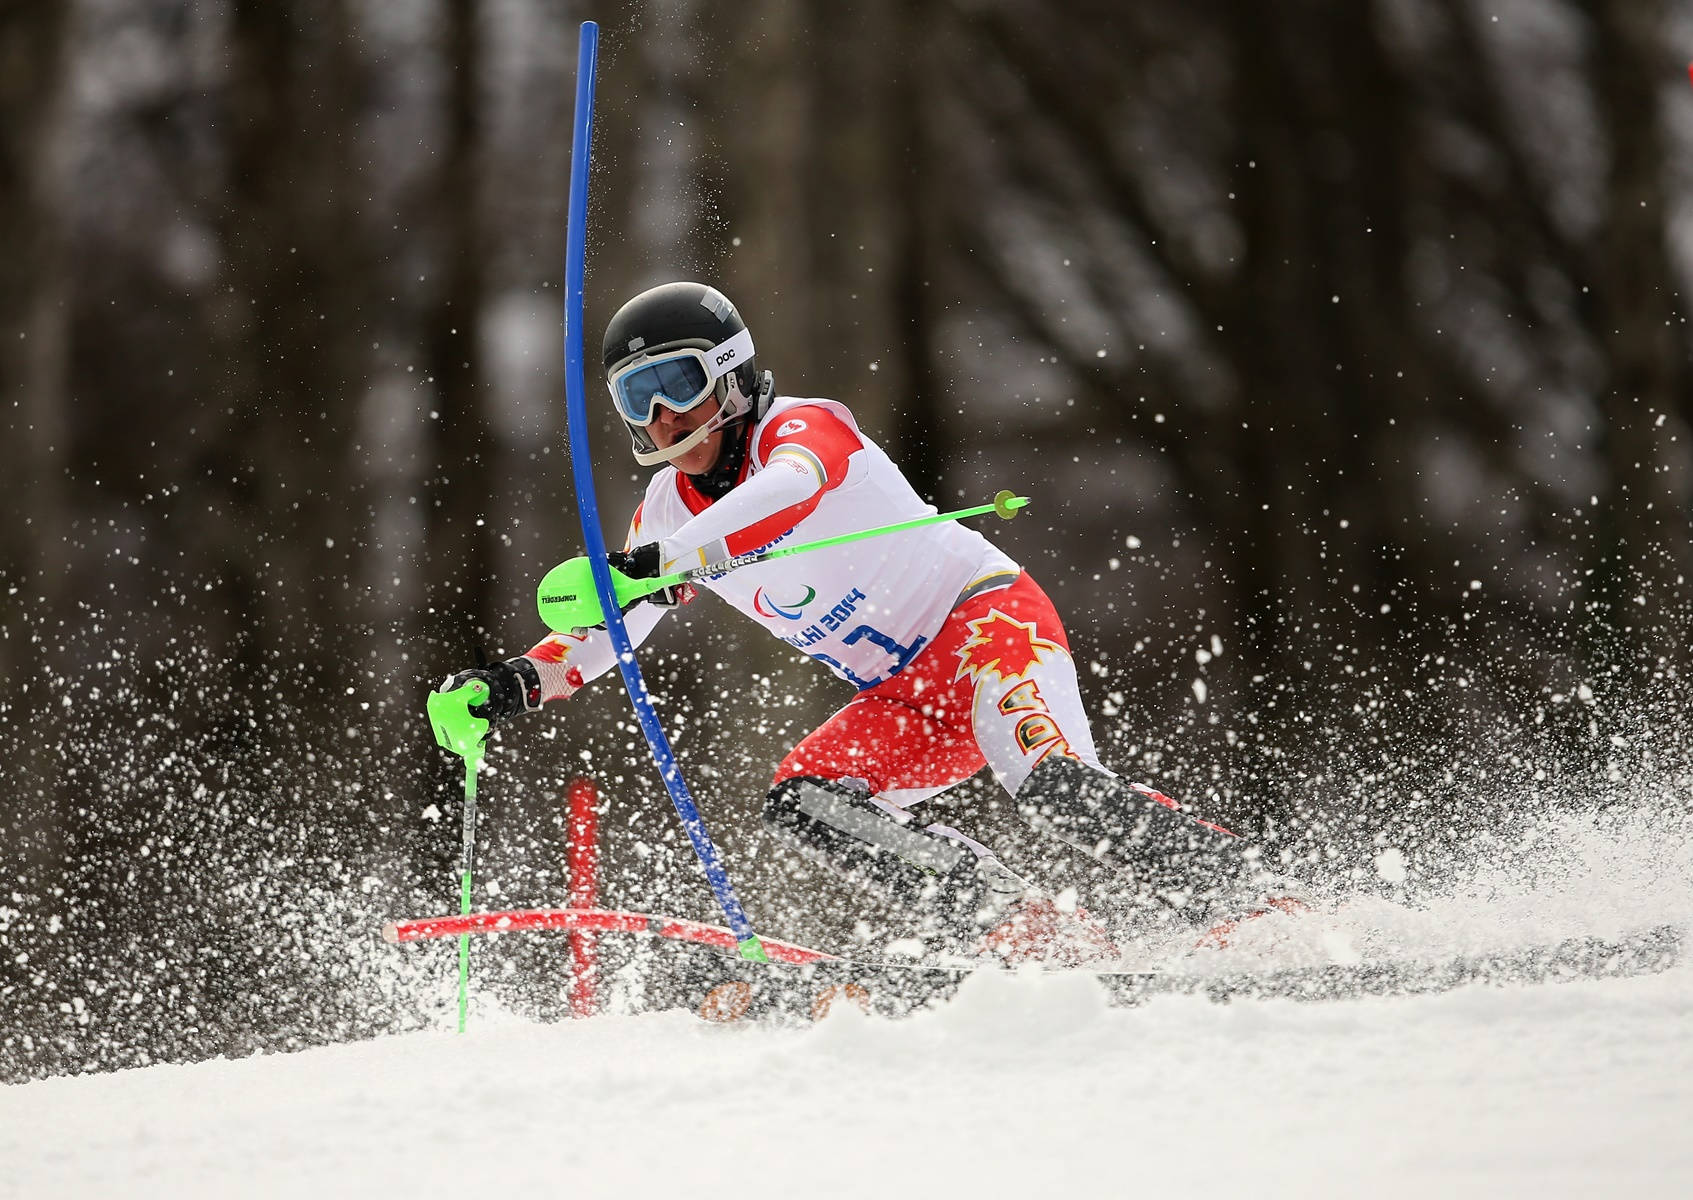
(669, 427)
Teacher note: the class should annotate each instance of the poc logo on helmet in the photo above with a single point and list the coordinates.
(727, 356)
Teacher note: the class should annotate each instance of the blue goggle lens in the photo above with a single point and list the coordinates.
(677, 383)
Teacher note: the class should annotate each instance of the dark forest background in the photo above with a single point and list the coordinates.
(1342, 346)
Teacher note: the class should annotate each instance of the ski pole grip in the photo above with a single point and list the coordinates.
(456, 727)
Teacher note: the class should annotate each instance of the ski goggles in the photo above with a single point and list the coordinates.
(678, 379)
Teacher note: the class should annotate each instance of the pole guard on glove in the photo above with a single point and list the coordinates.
(464, 709)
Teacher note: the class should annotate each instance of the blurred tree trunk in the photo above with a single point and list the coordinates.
(459, 526)
(853, 196)
(1293, 383)
(767, 195)
(296, 352)
(35, 290)
(817, 150)
(1646, 551)
(1319, 325)
(34, 299)
(922, 444)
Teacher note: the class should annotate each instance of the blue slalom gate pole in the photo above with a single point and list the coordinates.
(593, 539)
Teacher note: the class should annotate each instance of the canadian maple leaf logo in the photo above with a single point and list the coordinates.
(1002, 645)
(556, 647)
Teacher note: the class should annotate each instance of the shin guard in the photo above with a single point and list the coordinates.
(1182, 861)
(841, 828)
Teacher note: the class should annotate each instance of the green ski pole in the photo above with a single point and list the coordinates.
(465, 735)
(567, 600)
(472, 763)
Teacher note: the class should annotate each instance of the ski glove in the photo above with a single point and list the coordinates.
(643, 563)
(640, 563)
(514, 687)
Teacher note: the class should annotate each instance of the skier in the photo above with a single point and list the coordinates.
(957, 654)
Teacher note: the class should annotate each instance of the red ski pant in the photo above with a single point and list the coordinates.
(996, 686)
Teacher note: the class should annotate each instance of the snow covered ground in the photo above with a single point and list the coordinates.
(1023, 1085)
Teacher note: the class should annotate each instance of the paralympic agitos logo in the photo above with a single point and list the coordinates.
(764, 606)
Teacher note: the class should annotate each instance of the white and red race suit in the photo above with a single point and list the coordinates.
(958, 656)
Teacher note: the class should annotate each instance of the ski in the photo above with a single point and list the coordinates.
(720, 990)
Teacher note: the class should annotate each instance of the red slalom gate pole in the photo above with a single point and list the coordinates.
(527, 920)
(584, 865)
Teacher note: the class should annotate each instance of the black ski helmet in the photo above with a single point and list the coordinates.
(677, 317)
